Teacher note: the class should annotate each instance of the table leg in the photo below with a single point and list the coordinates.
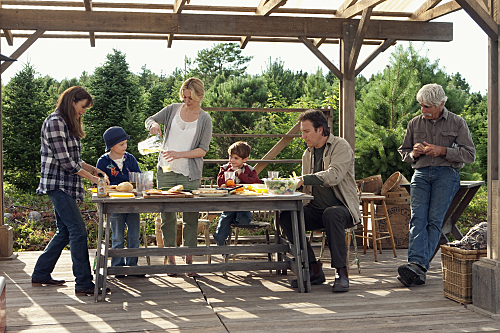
(303, 241)
(300, 256)
(98, 258)
(105, 263)
(277, 234)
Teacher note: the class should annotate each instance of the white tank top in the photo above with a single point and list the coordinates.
(181, 138)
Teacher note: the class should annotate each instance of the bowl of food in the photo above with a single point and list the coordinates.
(281, 186)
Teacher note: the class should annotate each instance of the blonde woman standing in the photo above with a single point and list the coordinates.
(186, 138)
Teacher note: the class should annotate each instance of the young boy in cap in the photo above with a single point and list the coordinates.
(117, 164)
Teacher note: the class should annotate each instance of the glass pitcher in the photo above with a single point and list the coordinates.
(152, 144)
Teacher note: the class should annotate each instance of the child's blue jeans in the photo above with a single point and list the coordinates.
(118, 223)
(224, 227)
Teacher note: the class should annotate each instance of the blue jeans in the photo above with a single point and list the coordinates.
(432, 190)
(70, 230)
(224, 226)
(133, 223)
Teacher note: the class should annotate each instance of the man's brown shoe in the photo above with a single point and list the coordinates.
(51, 282)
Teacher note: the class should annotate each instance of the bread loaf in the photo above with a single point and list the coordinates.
(125, 187)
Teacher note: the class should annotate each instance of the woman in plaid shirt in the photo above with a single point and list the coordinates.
(61, 178)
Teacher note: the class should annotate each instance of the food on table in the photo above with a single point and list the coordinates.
(281, 186)
(124, 187)
(230, 182)
(121, 195)
(176, 188)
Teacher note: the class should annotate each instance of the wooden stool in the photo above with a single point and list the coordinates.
(368, 212)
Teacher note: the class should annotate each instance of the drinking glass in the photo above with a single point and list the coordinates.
(229, 175)
(165, 166)
(273, 174)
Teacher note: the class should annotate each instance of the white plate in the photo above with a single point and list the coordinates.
(284, 195)
(213, 194)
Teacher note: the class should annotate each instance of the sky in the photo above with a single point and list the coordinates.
(67, 58)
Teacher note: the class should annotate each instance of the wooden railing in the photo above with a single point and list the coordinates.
(268, 158)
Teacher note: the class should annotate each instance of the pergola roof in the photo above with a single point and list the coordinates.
(271, 21)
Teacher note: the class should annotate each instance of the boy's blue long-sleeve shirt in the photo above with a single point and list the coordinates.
(106, 164)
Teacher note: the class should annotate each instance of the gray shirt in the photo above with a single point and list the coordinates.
(449, 130)
(202, 136)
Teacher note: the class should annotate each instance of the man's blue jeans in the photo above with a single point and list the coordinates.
(224, 227)
(118, 223)
(70, 230)
(432, 190)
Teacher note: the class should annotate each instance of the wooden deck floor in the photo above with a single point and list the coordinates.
(242, 302)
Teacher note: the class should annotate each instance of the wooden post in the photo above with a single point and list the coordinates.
(493, 151)
(347, 91)
(486, 271)
(6, 231)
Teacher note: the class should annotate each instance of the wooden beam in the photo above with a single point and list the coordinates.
(429, 4)
(88, 5)
(358, 41)
(381, 48)
(17, 53)
(8, 36)
(278, 147)
(346, 4)
(178, 6)
(321, 57)
(347, 92)
(265, 8)
(224, 39)
(359, 7)
(439, 11)
(481, 17)
(200, 8)
(205, 24)
(88, 8)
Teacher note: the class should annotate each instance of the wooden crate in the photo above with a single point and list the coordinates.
(399, 215)
(457, 272)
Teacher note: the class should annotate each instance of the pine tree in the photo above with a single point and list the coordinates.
(25, 108)
(118, 101)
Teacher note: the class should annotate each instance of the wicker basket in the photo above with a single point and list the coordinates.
(372, 184)
(457, 272)
(392, 183)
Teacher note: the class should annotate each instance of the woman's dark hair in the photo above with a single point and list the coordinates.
(317, 118)
(68, 112)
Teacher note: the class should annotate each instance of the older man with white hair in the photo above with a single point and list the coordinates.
(437, 144)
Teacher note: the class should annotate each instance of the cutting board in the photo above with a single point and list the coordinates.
(162, 196)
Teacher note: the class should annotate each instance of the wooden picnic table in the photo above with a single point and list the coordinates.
(298, 250)
(460, 201)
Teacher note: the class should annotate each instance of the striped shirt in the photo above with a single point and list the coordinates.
(61, 160)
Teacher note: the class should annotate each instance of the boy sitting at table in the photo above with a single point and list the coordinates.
(243, 174)
(117, 164)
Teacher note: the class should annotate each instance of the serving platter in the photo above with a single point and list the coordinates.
(208, 194)
(166, 194)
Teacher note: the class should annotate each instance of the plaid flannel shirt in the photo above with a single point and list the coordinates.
(61, 160)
